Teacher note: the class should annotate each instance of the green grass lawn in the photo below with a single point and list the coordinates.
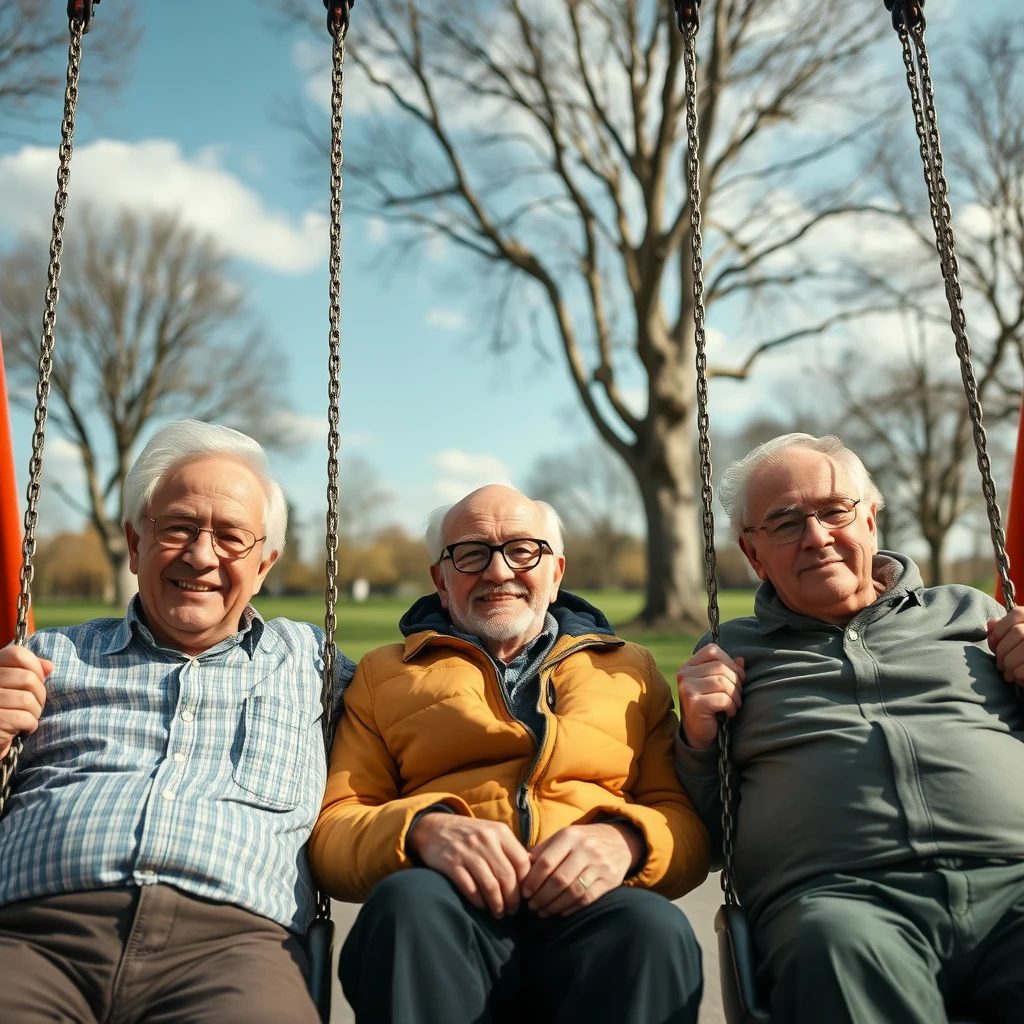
(361, 627)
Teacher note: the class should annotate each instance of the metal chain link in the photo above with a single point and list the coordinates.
(922, 97)
(689, 31)
(35, 466)
(323, 908)
(334, 376)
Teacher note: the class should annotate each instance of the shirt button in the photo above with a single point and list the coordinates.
(187, 716)
(168, 794)
(179, 757)
(852, 634)
(193, 663)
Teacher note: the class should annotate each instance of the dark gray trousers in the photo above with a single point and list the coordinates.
(147, 956)
(898, 946)
(421, 954)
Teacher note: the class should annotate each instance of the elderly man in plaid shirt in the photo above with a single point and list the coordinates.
(151, 858)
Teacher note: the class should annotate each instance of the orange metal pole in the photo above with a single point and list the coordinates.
(10, 523)
(1015, 521)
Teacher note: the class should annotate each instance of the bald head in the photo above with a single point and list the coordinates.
(504, 607)
(494, 501)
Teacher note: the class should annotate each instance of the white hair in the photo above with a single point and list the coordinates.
(732, 491)
(185, 440)
(432, 532)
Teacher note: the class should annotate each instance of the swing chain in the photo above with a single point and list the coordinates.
(689, 33)
(333, 381)
(922, 96)
(338, 15)
(35, 466)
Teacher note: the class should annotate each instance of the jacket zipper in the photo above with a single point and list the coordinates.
(548, 686)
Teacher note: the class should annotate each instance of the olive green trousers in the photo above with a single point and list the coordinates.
(898, 946)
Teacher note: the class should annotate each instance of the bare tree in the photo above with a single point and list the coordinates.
(151, 326)
(596, 495)
(34, 47)
(545, 139)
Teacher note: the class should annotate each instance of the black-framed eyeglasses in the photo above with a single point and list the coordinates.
(181, 532)
(789, 527)
(474, 555)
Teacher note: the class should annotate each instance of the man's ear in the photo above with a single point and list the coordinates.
(265, 566)
(133, 547)
(871, 518)
(559, 573)
(747, 547)
(440, 584)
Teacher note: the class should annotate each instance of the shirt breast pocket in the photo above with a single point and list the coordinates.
(274, 758)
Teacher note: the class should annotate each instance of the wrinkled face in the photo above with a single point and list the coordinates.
(504, 607)
(193, 598)
(827, 573)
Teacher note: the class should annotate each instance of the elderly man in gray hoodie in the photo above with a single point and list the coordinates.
(877, 739)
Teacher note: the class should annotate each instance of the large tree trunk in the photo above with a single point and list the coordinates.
(675, 564)
(935, 546)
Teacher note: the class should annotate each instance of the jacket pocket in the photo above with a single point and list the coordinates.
(273, 760)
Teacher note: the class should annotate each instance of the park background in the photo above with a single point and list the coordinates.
(199, 185)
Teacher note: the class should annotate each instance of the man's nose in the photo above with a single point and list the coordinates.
(816, 534)
(200, 553)
(497, 570)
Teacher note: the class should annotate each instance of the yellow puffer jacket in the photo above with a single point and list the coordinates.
(427, 723)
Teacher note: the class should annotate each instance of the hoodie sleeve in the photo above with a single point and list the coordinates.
(359, 837)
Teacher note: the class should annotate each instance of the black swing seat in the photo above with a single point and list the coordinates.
(319, 945)
(738, 968)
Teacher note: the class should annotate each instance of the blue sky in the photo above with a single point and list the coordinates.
(422, 400)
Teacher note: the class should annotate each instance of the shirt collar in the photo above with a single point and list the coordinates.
(899, 576)
(132, 627)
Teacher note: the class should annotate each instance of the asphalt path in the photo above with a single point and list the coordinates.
(700, 906)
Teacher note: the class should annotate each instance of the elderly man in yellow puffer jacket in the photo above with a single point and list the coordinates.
(502, 794)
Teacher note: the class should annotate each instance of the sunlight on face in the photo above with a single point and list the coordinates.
(193, 597)
(505, 608)
(826, 574)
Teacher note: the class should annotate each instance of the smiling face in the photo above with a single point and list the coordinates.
(503, 607)
(827, 573)
(192, 597)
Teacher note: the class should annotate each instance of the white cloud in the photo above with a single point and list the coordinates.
(460, 472)
(154, 174)
(376, 231)
(447, 319)
(298, 428)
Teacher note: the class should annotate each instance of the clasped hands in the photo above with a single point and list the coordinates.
(491, 868)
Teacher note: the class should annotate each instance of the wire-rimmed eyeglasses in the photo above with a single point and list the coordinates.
(473, 556)
(181, 532)
(789, 526)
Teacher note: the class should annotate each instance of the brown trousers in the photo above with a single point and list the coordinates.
(149, 955)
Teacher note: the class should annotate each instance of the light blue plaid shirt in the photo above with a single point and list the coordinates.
(150, 766)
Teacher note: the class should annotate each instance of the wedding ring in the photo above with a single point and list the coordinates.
(586, 885)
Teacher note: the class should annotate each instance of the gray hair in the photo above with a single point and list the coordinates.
(185, 440)
(554, 526)
(732, 491)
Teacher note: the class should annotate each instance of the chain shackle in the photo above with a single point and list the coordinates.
(80, 12)
(338, 14)
(906, 13)
(687, 14)
(35, 466)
